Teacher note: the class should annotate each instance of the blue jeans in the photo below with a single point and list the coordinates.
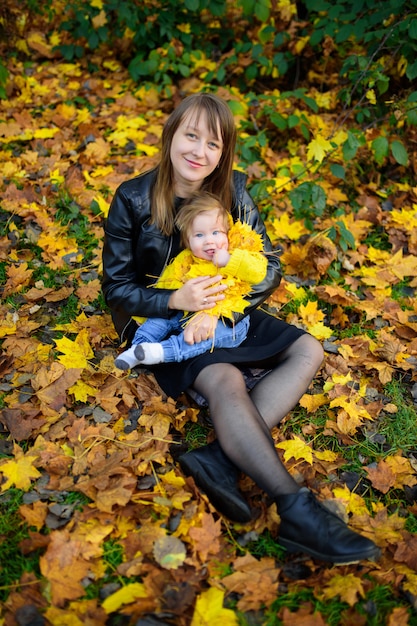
(155, 329)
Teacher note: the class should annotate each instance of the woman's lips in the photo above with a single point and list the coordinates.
(194, 164)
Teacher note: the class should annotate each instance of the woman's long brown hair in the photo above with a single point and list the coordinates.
(220, 181)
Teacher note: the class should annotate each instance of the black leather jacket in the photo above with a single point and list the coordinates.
(135, 253)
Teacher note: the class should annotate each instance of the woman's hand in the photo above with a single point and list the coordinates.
(200, 327)
(198, 294)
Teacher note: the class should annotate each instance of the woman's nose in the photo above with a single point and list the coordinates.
(198, 148)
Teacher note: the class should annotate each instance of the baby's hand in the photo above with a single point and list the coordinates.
(221, 257)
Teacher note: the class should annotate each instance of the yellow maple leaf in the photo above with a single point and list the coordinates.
(81, 391)
(56, 177)
(8, 325)
(147, 149)
(296, 448)
(45, 133)
(55, 616)
(209, 610)
(353, 502)
(325, 455)
(347, 586)
(312, 402)
(125, 595)
(402, 266)
(411, 582)
(75, 353)
(55, 245)
(318, 148)
(19, 471)
(320, 331)
(171, 478)
(352, 409)
(310, 313)
(346, 351)
(282, 226)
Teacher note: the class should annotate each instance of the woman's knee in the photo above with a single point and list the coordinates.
(220, 378)
(309, 349)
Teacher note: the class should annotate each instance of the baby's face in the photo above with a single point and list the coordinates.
(207, 235)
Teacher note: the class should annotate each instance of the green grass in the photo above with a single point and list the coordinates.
(411, 523)
(403, 293)
(355, 330)
(69, 311)
(378, 238)
(399, 428)
(69, 213)
(376, 607)
(13, 563)
(195, 434)
(50, 277)
(266, 545)
(113, 555)
(3, 273)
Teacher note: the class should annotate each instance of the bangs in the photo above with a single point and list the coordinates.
(193, 115)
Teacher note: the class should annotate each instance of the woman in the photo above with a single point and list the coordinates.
(198, 143)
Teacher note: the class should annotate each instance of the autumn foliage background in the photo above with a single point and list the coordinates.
(98, 524)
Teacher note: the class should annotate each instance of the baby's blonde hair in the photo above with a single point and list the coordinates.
(198, 203)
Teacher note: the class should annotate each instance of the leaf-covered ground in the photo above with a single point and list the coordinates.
(99, 525)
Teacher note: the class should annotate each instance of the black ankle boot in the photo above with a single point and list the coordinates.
(216, 475)
(308, 526)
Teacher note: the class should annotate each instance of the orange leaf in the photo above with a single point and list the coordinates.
(64, 567)
(255, 580)
(206, 538)
(18, 276)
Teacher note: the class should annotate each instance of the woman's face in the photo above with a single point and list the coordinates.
(195, 153)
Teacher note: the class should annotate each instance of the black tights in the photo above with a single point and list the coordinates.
(243, 420)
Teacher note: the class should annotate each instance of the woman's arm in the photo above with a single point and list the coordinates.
(134, 254)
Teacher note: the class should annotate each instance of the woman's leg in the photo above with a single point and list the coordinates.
(242, 432)
(279, 391)
(306, 525)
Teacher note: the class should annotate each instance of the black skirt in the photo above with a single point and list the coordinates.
(267, 337)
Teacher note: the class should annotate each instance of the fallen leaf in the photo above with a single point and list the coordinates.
(19, 471)
(169, 552)
(348, 587)
(296, 448)
(209, 610)
(125, 595)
